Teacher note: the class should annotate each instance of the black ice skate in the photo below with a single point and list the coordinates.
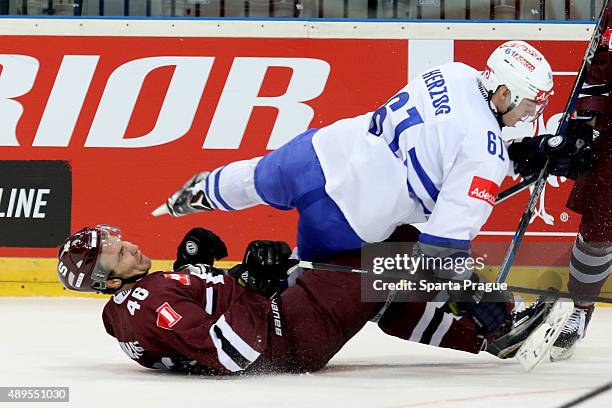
(188, 200)
(517, 327)
(529, 335)
(573, 331)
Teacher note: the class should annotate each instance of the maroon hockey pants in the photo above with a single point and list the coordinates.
(324, 310)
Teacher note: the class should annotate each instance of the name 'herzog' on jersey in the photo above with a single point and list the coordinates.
(417, 158)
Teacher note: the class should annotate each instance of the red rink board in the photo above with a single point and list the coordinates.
(121, 186)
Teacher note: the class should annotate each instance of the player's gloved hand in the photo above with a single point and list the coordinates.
(468, 296)
(584, 159)
(190, 198)
(264, 268)
(199, 246)
(570, 155)
(488, 309)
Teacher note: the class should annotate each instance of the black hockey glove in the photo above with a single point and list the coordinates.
(488, 309)
(199, 246)
(570, 155)
(469, 295)
(264, 268)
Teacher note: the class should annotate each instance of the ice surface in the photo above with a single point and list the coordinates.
(61, 342)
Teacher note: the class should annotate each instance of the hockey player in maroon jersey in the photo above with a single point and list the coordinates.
(591, 261)
(200, 319)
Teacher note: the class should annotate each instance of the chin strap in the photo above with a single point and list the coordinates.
(488, 95)
(498, 115)
(127, 281)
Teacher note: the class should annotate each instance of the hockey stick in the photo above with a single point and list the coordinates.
(541, 292)
(541, 180)
(515, 189)
(587, 396)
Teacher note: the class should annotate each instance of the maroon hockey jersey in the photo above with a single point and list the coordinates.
(600, 72)
(192, 316)
(592, 192)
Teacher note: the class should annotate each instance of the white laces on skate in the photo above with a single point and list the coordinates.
(576, 323)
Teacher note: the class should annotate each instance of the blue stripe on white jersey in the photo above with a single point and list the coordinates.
(207, 192)
(429, 185)
(429, 239)
(211, 190)
(220, 199)
(420, 183)
(413, 194)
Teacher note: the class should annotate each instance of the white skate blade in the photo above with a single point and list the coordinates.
(537, 346)
(161, 210)
(560, 353)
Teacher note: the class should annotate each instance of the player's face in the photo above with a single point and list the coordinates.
(124, 258)
(526, 111)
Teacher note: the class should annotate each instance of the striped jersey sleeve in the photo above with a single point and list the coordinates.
(467, 195)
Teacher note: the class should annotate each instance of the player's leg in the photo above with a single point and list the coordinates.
(318, 315)
(591, 261)
(276, 179)
(590, 268)
(289, 177)
(430, 323)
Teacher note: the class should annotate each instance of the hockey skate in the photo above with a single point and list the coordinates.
(529, 334)
(517, 327)
(573, 331)
(188, 199)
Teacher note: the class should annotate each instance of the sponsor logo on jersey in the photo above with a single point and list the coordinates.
(483, 189)
(167, 317)
(181, 277)
(606, 39)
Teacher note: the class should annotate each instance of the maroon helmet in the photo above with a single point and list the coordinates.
(80, 267)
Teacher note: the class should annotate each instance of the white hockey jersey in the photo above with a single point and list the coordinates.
(432, 153)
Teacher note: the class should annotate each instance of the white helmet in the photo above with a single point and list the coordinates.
(524, 70)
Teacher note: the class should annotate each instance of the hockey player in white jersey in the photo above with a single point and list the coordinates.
(433, 152)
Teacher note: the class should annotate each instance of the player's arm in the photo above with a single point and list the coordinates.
(225, 330)
(264, 267)
(199, 246)
(468, 193)
(463, 205)
(594, 97)
(569, 155)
